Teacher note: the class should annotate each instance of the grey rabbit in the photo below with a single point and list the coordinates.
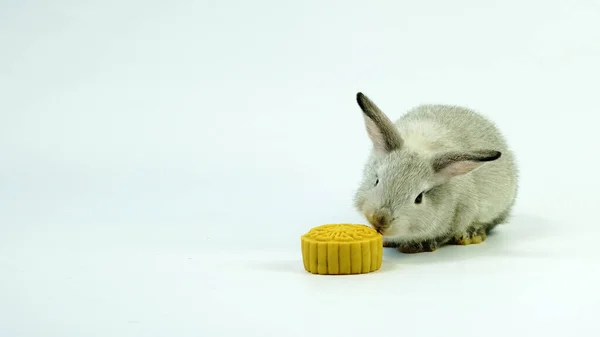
(439, 175)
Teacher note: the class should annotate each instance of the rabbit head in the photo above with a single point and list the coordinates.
(405, 193)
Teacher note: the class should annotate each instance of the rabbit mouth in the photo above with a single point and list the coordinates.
(379, 222)
(388, 229)
(391, 230)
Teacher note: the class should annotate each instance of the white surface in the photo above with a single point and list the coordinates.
(160, 160)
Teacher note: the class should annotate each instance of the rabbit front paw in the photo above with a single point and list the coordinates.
(425, 246)
(473, 235)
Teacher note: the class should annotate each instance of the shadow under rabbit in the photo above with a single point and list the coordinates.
(509, 240)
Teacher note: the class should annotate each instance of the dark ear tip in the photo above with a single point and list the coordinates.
(494, 155)
(360, 99)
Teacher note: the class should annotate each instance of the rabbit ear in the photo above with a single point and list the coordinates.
(381, 130)
(451, 164)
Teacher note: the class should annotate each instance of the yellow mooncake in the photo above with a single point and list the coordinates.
(342, 249)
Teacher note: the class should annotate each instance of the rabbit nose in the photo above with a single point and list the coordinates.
(379, 221)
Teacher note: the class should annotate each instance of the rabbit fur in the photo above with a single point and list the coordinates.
(439, 175)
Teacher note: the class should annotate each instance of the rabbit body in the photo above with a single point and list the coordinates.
(439, 175)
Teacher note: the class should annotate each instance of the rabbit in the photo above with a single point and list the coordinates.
(440, 175)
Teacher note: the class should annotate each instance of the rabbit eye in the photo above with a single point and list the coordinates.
(419, 198)
(376, 181)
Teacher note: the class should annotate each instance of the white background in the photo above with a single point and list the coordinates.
(160, 160)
